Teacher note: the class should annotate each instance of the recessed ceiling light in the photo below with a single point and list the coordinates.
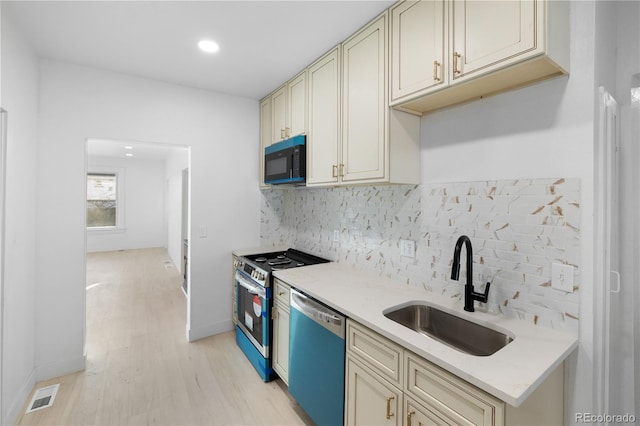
(128, 154)
(208, 46)
(128, 147)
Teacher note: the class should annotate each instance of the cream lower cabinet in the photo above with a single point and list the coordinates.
(234, 297)
(280, 316)
(389, 385)
(370, 400)
(374, 378)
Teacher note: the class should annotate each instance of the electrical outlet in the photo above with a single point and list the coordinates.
(336, 236)
(408, 248)
(562, 277)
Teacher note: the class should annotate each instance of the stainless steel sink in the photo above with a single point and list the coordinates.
(460, 334)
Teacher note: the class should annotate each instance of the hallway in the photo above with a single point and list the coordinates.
(141, 370)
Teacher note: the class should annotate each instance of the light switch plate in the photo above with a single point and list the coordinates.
(336, 236)
(408, 248)
(562, 277)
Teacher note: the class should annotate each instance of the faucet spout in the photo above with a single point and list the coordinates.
(469, 293)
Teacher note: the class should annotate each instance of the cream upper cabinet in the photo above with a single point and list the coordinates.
(418, 47)
(297, 105)
(289, 109)
(279, 114)
(489, 47)
(354, 137)
(378, 144)
(323, 140)
(488, 33)
(265, 133)
(364, 112)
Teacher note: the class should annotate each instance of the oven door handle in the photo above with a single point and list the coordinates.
(249, 286)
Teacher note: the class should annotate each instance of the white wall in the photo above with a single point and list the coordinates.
(175, 164)
(222, 131)
(20, 99)
(626, 390)
(145, 213)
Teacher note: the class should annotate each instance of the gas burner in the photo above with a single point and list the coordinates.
(261, 259)
(280, 260)
(281, 256)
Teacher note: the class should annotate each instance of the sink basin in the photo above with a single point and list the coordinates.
(456, 332)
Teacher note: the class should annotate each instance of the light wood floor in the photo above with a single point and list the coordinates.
(140, 368)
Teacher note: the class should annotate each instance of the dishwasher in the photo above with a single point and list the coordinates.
(316, 359)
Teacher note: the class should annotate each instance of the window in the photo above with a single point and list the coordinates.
(102, 200)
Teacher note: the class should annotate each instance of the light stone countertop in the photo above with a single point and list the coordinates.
(511, 374)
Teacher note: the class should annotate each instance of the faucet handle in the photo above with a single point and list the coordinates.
(482, 297)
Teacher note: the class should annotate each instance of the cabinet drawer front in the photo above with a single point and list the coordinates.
(281, 292)
(457, 400)
(379, 353)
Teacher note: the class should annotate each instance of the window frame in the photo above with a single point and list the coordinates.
(120, 201)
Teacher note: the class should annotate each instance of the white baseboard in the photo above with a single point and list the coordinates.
(198, 333)
(57, 369)
(17, 402)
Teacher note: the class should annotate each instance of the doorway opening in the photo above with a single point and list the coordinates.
(138, 223)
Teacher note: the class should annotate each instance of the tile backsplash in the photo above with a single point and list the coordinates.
(518, 229)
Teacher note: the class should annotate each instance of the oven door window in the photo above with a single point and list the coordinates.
(252, 311)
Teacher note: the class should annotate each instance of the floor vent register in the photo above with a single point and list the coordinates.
(43, 398)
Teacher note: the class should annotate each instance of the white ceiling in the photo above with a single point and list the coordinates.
(262, 43)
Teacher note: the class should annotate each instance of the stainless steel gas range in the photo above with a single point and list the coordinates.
(253, 281)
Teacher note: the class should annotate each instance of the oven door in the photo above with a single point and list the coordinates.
(252, 310)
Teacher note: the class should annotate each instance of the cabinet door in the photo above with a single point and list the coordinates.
(279, 114)
(297, 105)
(370, 399)
(324, 119)
(417, 47)
(417, 415)
(281, 342)
(364, 107)
(265, 133)
(490, 34)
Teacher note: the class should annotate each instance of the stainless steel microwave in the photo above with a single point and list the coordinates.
(285, 162)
